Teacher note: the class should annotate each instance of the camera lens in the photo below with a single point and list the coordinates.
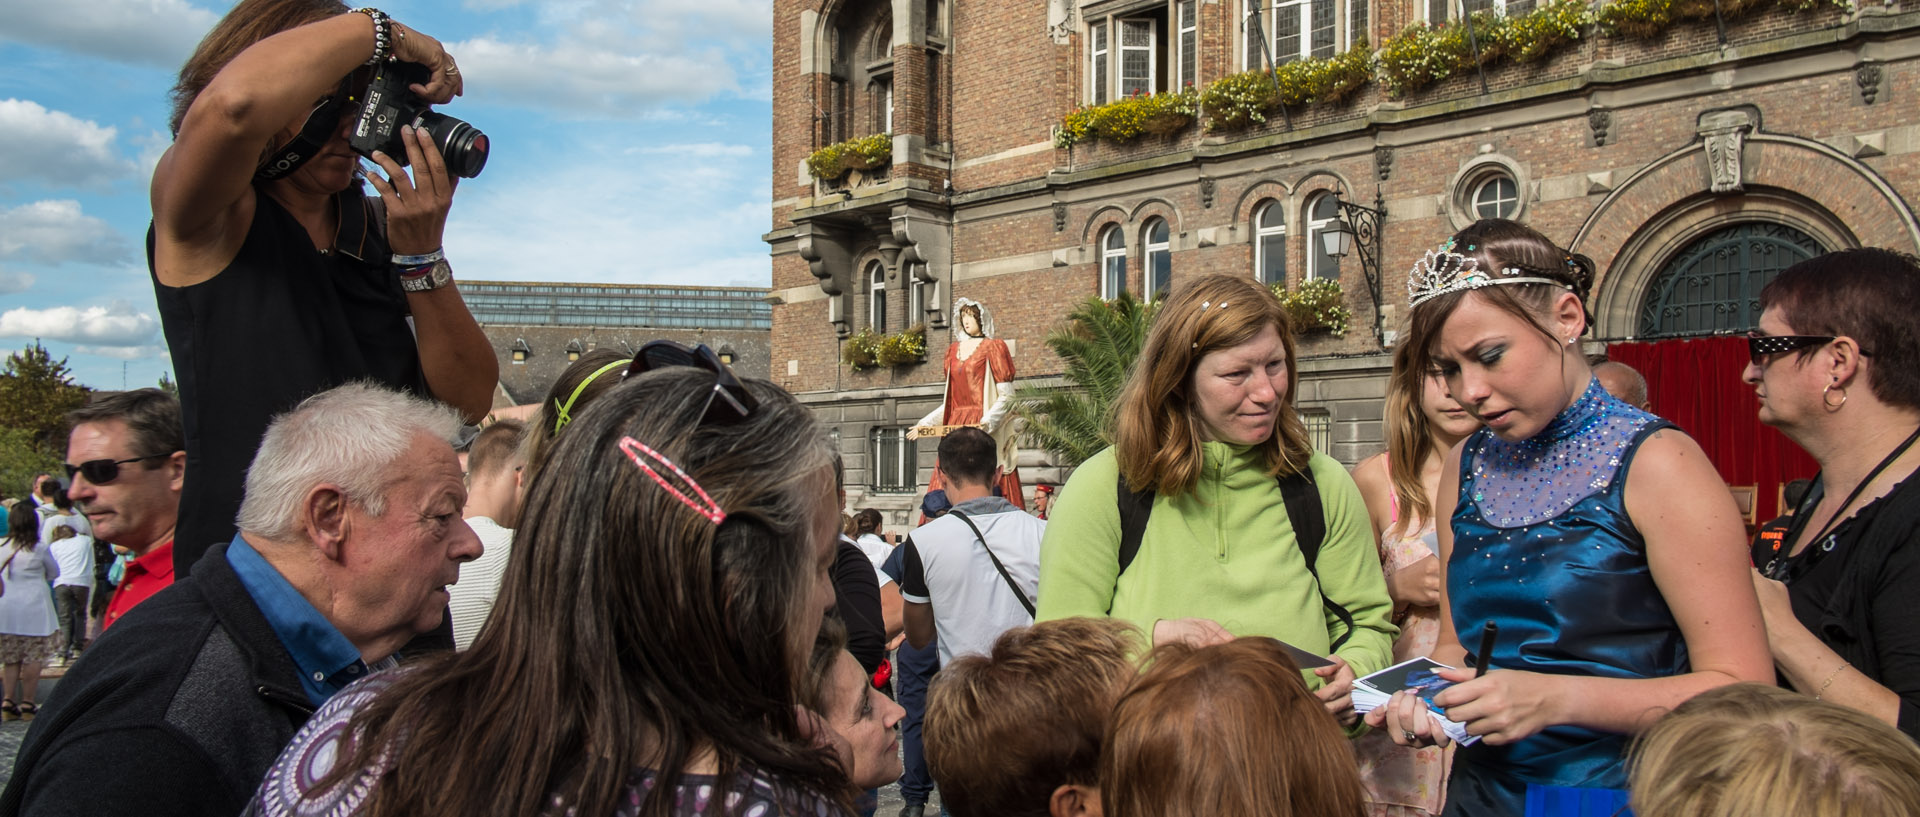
(462, 146)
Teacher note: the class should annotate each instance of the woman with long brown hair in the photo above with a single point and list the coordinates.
(650, 643)
(1186, 528)
(1401, 486)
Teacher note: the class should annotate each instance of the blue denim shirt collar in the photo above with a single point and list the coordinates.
(328, 662)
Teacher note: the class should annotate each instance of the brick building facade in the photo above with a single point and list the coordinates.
(1688, 162)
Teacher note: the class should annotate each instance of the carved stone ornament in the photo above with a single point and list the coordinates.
(1867, 76)
(1724, 134)
(1207, 189)
(1599, 119)
(1059, 216)
(1383, 162)
(1061, 23)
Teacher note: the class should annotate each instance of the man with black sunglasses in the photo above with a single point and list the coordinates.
(127, 459)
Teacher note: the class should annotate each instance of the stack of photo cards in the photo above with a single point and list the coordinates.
(1422, 676)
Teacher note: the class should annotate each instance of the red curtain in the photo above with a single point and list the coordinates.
(1696, 384)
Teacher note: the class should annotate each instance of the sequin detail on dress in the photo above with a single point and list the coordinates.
(1576, 456)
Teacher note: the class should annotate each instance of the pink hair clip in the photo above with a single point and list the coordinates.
(705, 506)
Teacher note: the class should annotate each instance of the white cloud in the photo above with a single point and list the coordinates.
(571, 76)
(147, 32)
(700, 150)
(55, 232)
(743, 19)
(122, 352)
(57, 147)
(116, 325)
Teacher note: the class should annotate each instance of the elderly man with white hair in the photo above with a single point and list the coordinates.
(349, 534)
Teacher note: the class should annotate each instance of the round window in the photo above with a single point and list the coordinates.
(1496, 197)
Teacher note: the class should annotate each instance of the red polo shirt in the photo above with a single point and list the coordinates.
(143, 577)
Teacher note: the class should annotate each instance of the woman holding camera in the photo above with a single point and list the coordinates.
(276, 276)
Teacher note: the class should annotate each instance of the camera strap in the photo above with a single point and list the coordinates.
(306, 144)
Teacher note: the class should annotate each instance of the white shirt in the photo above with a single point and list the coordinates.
(877, 551)
(74, 555)
(948, 568)
(472, 597)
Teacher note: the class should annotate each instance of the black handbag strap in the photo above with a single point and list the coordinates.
(1015, 586)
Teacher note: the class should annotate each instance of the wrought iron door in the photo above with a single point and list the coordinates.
(1713, 285)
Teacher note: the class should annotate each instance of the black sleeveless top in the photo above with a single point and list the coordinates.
(281, 323)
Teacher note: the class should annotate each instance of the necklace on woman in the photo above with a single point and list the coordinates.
(1776, 567)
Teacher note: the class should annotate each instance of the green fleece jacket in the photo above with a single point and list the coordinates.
(1225, 552)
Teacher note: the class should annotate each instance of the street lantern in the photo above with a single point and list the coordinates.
(1337, 238)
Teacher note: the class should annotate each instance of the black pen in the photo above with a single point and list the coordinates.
(1486, 648)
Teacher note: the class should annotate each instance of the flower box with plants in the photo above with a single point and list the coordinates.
(1422, 55)
(1247, 99)
(1122, 121)
(865, 153)
(1649, 19)
(1319, 304)
(867, 349)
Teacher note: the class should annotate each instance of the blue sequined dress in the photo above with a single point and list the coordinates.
(1543, 547)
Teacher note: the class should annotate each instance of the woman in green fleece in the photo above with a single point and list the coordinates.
(1205, 437)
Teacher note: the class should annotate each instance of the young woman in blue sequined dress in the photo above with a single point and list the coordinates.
(1597, 537)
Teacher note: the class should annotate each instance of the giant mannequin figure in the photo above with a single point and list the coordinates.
(979, 392)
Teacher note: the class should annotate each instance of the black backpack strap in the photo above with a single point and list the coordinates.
(1015, 586)
(1309, 521)
(1134, 510)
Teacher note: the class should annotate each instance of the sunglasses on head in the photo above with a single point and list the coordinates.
(101, 472)
(727, 402)
(1761, 348)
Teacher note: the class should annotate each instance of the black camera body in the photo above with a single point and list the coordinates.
(390, 104)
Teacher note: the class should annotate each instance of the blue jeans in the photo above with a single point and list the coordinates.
(913, 669)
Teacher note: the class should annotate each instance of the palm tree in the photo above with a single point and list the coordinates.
(1099, 344)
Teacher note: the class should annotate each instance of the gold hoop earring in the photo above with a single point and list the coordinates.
(1830, 405)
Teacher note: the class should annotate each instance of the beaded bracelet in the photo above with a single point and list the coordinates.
(382, 34)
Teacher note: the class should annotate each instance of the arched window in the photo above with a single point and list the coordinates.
(877, 296)
(1113, 263)
(1713, 285)
(1322, 210)
(1159, 251)
(1270, 243)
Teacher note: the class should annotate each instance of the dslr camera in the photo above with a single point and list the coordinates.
(390, 105)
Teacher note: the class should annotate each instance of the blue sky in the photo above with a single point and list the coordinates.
(630, 145)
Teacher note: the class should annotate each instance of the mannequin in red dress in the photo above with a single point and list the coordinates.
(979, 392)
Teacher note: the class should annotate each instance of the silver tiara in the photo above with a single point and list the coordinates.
(1438, 273)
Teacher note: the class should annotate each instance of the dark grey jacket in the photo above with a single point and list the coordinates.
(179, 709)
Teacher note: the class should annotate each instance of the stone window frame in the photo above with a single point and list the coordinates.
(1162, 48)
(1475, 172)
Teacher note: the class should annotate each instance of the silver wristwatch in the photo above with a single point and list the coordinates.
(439, 275)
